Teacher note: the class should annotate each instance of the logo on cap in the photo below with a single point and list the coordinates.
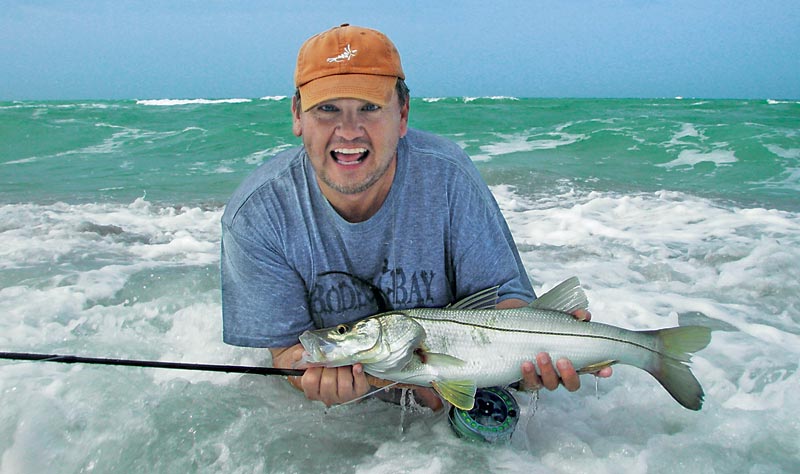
(347, 54)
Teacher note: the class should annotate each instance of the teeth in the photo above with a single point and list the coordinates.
(350, 151)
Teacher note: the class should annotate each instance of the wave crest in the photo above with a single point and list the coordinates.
(173, 102)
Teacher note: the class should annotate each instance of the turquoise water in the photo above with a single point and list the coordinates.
(670, 211)
(194, 151)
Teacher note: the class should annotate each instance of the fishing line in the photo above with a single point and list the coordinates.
(368, 394)
(72, 359)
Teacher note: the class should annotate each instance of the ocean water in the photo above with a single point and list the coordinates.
(671, 211)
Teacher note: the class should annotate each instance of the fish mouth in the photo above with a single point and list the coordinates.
(349, 156)
(318, 350)
(311, 343)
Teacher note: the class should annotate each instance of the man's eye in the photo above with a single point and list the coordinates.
(371, 108)
(327, 108)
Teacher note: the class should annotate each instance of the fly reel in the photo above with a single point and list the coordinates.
(492, 419)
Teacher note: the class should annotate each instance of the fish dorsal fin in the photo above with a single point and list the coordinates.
(461, 393)
(567, 297)
(484, 299)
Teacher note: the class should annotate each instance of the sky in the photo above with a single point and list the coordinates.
(158, 49)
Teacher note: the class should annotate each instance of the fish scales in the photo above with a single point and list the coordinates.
(471, 344)
(475, 337)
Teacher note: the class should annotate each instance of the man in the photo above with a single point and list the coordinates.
(367, 215)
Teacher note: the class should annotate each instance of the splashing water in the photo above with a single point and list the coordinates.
(89, 266)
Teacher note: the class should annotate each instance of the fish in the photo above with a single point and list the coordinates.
(470, 344)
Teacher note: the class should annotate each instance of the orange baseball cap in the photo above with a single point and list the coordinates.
(347, 62)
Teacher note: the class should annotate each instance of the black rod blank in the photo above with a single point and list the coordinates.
(71, 359)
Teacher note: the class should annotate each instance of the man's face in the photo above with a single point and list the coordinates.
(352, 143)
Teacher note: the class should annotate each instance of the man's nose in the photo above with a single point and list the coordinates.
(350, 126)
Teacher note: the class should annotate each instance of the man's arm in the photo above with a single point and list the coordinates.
(549, 377)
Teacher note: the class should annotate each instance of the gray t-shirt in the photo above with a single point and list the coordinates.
(290, 262)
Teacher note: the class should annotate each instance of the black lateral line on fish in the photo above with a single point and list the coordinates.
(540, 332)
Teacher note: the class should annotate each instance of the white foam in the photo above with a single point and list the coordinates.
(687, 130)
(31, 159)
(788, 153)
(790, 180)
(139, 280)
(258, 157)
(508, 144)
(528, 141)
(493, 97)
(37, 235)
(778, 102)
(43, 107)
(695, 157)
(634, 246)
(120, 138)
(173, 102)
(645, 260)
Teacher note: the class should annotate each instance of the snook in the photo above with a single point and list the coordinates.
(470, 344)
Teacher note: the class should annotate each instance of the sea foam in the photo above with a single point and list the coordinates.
(695, 157)
(526, 142)
(140, 280)
(113, 275)
(173, 102)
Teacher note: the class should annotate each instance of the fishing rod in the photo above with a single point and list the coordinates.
(71, 359)
(495, 422)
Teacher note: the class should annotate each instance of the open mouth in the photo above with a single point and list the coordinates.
(349, 156)
(314, 346)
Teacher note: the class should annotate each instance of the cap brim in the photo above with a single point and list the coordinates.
(372, 88)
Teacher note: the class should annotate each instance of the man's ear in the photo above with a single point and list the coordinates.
(404, 118)
(297, 126)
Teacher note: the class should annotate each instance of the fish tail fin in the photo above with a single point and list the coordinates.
(671, 367)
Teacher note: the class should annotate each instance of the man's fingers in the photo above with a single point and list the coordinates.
(309, 382)
(335, 385)
(360, 383)
(328, 386)
(530, 379)
(606, 372)
(569, 377)
(582, 315)
(547, 372)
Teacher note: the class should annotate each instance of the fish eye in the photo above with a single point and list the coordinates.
(342, 329)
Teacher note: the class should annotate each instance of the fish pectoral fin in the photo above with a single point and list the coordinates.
(439, 359)
(460, 393)
(596, 367)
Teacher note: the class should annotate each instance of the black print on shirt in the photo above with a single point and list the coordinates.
(344, 291)
(409, 291)
(341, 296)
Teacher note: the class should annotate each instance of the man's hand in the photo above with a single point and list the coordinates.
(331, 386)
(548, 377)
(337, 385)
